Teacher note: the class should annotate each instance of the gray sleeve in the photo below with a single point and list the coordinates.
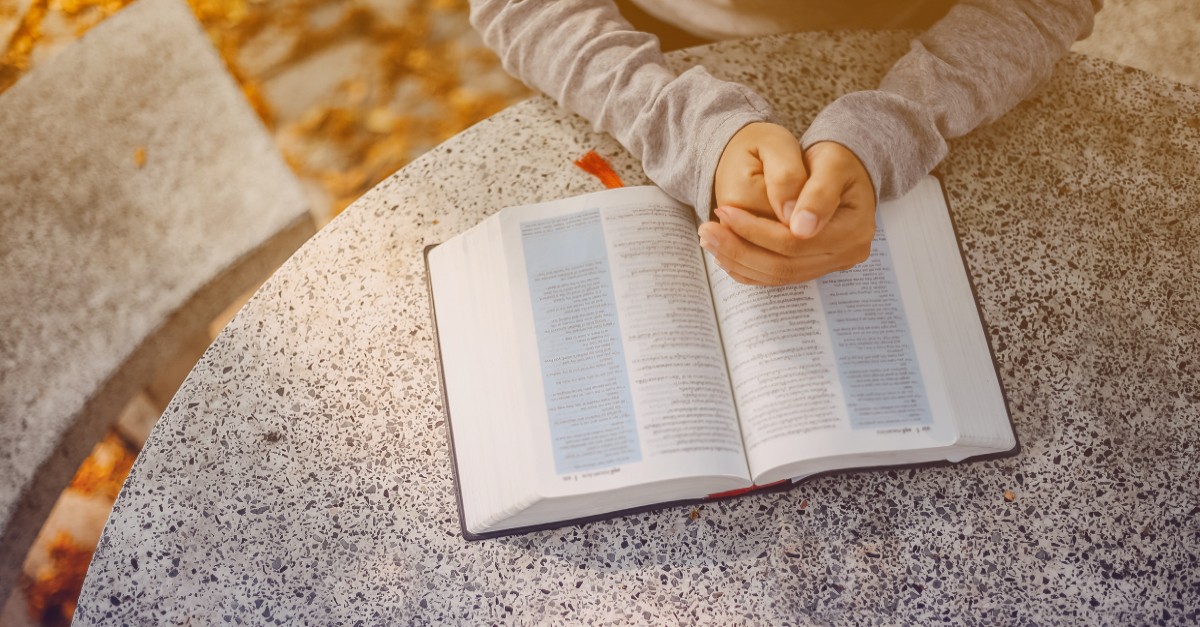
(970, 68)
(584, 55)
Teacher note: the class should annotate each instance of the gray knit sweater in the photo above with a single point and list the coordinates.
(970, 68)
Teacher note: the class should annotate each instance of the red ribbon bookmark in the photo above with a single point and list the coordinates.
(721, 495)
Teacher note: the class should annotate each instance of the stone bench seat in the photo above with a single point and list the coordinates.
(140, 196)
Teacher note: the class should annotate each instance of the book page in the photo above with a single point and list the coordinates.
(472, 307)
(620, 328)
(832, 367)
(933, 272)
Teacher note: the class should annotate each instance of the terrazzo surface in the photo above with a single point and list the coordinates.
(302, 474)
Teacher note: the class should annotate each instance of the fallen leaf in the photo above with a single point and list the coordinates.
(139, 157)
(1010, 496)
(51, 596)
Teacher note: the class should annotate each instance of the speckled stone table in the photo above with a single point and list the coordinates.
(301, 474)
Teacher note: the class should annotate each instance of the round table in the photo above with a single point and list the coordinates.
(302, 475)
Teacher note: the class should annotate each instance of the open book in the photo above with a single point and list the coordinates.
(596, 361)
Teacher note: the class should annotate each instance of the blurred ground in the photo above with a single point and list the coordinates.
(1159, 36)
(352, 90)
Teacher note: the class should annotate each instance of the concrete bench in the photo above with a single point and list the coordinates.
(139, 196)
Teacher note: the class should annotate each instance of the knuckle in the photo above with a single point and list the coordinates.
(789, 174)
(732, 252)
(854, 256)
(782, 271)
(760, 208)
(792, 247)
(858, 243)
(735, 196)
(862, 253)
(801, 277)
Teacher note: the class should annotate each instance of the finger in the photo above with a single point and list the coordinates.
(765, 250)
(767, 233)
(746, 275)
(851, 229)
(727, 251)
(745, 280)
(842, 244)
(771, 269)
(784, 173)
(842, 232)
(818, 201)
(738, 256)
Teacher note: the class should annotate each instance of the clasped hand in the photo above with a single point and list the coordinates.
(788, 215)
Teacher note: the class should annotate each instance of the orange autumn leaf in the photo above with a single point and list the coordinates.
(104, 471)
(51, 596)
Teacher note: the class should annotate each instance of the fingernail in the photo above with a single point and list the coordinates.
(720, 211)
(804, 224)
(788, 207)
(708, 244)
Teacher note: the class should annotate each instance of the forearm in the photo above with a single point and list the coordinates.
(970, 68)
(592, 62)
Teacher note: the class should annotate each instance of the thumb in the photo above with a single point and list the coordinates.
(818, 201)
(784, 174)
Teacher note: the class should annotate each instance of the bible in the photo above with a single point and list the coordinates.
(595, 361)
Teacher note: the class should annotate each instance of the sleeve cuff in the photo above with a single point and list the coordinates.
(686, 130)
(896, 141)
